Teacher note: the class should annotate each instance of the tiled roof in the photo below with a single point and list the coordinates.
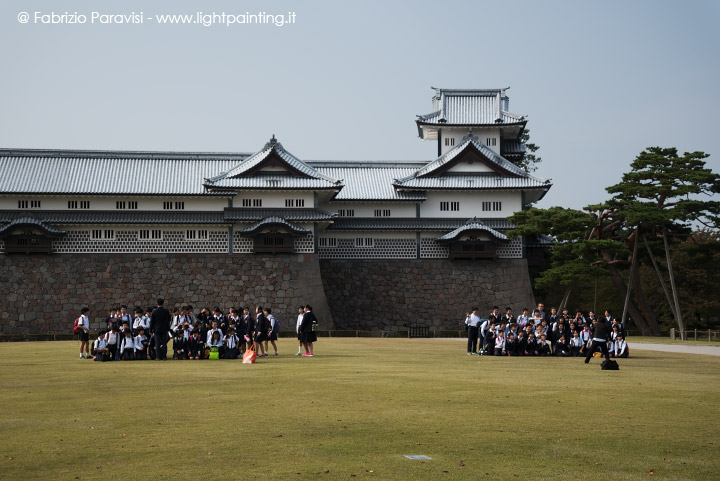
(473, 225)
(470, 107)
(410, 223)
(270, 221)
(371, 182)
(119, 217)
(515, 179)
(94, 172)
(512, 147)
(296, 215)
(237, 176)
(27, 220)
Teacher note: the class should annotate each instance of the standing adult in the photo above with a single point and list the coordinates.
(160, 320)
(599, 339)
(84, 332)
(472, 321)
(307, 335)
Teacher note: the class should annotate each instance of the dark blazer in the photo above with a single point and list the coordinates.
(160, 320)
(602, 329)
(307, 322)
(262, 325)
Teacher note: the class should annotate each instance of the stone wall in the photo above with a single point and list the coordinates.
(44, 294)
(375, 294)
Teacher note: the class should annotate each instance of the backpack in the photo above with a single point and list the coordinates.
(276, 327)
(609, 365)
(76, 328)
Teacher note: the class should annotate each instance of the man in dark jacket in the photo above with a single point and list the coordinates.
(262, 326)
(599, 340)
(160, 320)
(307, 335)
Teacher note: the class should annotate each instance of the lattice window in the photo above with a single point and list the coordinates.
(145, 234)
(171, 241)
(510, 250)
(346, 212)
(432, 249)
(491, 141)
(242, 245)
(327, 242)
(196, 234)
(449, 141)
(29, 204)
(305, 244)
(381, 249)
(102, 234)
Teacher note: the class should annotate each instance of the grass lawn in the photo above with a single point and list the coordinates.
(357, 409)
(702, 341)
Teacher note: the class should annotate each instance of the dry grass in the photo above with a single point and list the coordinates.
(357, 408)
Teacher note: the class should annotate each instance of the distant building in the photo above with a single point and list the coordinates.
(454, 206)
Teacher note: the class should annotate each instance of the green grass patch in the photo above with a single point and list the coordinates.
(357, 408)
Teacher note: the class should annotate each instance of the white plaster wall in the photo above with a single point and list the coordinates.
(471, 203)
(460, 132)
(275, 199)
(368, 209)
(108, 202)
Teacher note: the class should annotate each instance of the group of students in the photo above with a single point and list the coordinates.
(544, 335)
(207, 335)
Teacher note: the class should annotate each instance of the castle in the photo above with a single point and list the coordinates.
(105, 227)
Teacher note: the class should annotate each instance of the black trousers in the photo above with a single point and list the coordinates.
(161, 340)
(594, 346)
(472, 339)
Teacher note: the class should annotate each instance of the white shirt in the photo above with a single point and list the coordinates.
(576, 342)
(273, 321)
(127, 343)
(139, 342)
(472, 320)
(112, 338)
(99, 344)
(299, 321)
(210, 333)
(500, 343)
(84, 323)
(619, 347)
(231, 341)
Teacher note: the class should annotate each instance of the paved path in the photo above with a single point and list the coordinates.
(684, 348)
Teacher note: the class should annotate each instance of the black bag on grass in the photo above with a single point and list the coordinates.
(609, 365)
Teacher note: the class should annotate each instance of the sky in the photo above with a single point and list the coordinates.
(598, 80)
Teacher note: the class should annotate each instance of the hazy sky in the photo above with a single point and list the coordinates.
(598, 80)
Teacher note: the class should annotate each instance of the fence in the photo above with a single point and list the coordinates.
(696, 334)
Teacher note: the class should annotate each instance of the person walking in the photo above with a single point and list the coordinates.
(160, 320)
(472, 322)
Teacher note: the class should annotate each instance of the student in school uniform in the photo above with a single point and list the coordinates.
(137, 320)
(274, 330)
(124, 316)
(249, 323)
(531, 346)
(620, 347)
(553, 318)
(179, 319)
(213, 329)
(576, 344)
(500, 344)
(111, 318)
(472, 321)
(196, 345)
(113, 339)
(521, 344)
(508, 317)
(230, 344)
(301, 313)
(561, 347)
(536, 317)
(523, 318)
(489, 340)
(544, 348)
(262, 327)
(511, 344)
(216, 341)
(84, 334)
(127, 346)
(141, 344)
(218, 316)
(100, 350)
(179, 345)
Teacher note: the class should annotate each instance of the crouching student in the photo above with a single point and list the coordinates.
(127, 346)
(576, 345)
(230, 344)
(141, 344)
(100, 349)
(531, 346)
(196, 346)
(112, 337)
(561, 348)
(215, 345)
(500, 344)
(620, 347)
(511, 346)
(179, 345)
(543, 347)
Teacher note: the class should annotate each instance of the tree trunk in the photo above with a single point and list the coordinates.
(621, 287)
(644, 306)
(672, 286)
(660, 278)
